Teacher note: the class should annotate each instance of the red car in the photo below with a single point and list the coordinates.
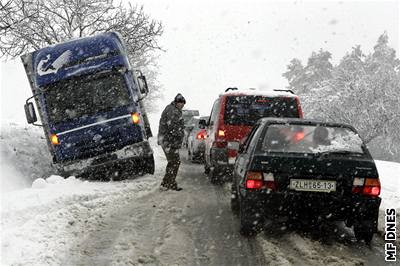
(232, 117)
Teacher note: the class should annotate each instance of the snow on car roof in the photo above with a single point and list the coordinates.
(265, 93)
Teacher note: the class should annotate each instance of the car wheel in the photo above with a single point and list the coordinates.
(365, 230)
(191, 155)
(214, 176)
(248, 221)
(206, 169)
(234, 200)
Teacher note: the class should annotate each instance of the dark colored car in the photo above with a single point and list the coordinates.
(306, 170)
(196, 140)
(233, 115)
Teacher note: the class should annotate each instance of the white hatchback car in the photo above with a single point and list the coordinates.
(196, 140)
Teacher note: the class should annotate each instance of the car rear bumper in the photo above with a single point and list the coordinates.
(135, 152)
(222, 165)
(277, 204)
(220, 159)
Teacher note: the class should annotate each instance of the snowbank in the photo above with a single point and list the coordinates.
(23, 156)
(389, 173)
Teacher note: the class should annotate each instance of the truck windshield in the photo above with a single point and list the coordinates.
(246, 110)
(85, 96)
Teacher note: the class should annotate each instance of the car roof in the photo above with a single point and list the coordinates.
(300, 121)
(265, 93)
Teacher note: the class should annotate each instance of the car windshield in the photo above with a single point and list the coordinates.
(246, 110)
(84, 96)
(311, 139)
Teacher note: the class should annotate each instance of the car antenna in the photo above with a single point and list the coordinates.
(286, 91)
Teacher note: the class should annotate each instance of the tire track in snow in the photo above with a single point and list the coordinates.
(217, 238)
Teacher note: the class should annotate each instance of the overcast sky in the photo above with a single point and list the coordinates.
(212, 45)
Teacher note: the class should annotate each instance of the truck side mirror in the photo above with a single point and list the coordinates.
(30, 113)
(144, 89)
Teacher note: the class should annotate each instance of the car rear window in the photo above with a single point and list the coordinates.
(246, 110)
(311, 139)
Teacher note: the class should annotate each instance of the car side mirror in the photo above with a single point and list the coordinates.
(30, 113)
(202, 123)
(241, 148)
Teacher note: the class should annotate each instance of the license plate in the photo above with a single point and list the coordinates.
(313, 185)
(233, 145)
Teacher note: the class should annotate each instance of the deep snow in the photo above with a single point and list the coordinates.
(54, 221)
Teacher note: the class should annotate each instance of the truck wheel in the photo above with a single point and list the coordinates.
(149, 165)
(248, 221)
(365, 230)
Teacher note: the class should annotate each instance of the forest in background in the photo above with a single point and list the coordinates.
(362, 90)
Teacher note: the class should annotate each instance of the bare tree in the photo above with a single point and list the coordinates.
(27, 25)
(8, 10)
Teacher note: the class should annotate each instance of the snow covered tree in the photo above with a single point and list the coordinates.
(319, 65)
(350, 69)
(295, 75)
(312, 76)
(27, 25)
(361, 90)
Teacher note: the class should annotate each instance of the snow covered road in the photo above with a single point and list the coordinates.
(133, 223)
(76, 222)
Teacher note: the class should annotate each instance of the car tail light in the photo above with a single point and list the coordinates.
(269, 181)
(366, 186)
(300, 111)
(358, 185)
(221, 133)
(372, 187)
(254, 180)
(232, 153)
(54, 139)
(254, 184)
(298, 136)
(220, 144)
(201, 135)
(135, 118)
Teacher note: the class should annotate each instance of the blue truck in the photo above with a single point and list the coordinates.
(90, 103)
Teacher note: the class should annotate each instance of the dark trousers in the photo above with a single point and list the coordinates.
(172, 167)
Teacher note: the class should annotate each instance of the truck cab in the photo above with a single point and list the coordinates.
(89, 100)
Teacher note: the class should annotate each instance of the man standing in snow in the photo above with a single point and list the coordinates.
(170, 137)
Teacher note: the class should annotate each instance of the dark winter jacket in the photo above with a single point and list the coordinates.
(171, 128)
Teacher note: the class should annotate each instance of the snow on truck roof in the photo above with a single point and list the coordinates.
(76, 57)
(265, 93)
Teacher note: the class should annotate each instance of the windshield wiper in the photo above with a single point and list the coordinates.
(339, 152)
